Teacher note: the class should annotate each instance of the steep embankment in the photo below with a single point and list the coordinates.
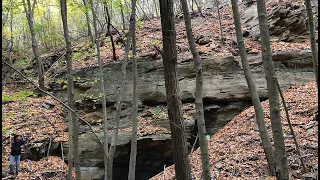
(235, 151)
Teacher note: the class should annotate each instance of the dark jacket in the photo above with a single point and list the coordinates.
(16, 147)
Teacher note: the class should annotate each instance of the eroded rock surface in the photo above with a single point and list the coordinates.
(225, 94)
(287, 22)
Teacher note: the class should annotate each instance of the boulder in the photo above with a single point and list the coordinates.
(90, 173)
(287, 21)
(223, 78)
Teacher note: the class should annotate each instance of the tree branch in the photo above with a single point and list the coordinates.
(304, 168)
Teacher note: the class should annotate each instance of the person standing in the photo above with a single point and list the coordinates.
(15, 154)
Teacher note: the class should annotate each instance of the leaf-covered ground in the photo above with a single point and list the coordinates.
(238, 156)
(149, 35)
(235, 151)
(26, 116)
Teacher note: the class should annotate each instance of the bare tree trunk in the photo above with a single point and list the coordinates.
(178, 136)
(122, 17)
(304, 167)
(315, 4)
(29, 13)
(312, 39)
(188, 1)
(103, 98)
(133, 152)
(280, 156)
(88, 22)
(144, 13)
(198, 94)
(138, 11)
(114, 137)
(70, 153)
(199, 8)
(155, 7)
(11, 40)
(115, 131)
(111, 10)
(49, 28)
(220, 23)
(74, 119)
(144, 7)
(266, 144)
(179, 4)
(114, 55)
(192, 2)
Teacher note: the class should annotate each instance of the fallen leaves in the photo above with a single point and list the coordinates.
(150, 34)
(52, 168)
(240, 155)
(28, 117)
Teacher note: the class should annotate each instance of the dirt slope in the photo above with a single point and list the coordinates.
(236, 153)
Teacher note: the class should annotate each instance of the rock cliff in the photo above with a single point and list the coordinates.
(225, 94)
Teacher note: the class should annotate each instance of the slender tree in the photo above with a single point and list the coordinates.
(70, 148)
(114, 55)
(198, 7)
(178, 136)
(103, 98)
(219, 18)
(314, 47)
(143, 11)
(304, 167)
(11, 38)
(114, 137)
(122, 16)
(133, 152)
(29, 14)
(198, 94)
(155, 7)
(73, 118)
(88, 21)
(266, 144)
(280, 156)
(192, 3)
(115, 132)
(111, 9)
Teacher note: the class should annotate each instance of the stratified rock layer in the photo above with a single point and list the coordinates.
(225, 94)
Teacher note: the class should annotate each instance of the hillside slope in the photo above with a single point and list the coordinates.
(206, 31)
(42, 120)
(236, 153)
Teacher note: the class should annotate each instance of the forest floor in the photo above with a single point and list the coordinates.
(235, 151)
(238, 156)
(206, 31)
(26, 115)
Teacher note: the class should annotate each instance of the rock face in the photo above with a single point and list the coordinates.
(223, 79)
(48, 60)
(225, 94)
(287, 22)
